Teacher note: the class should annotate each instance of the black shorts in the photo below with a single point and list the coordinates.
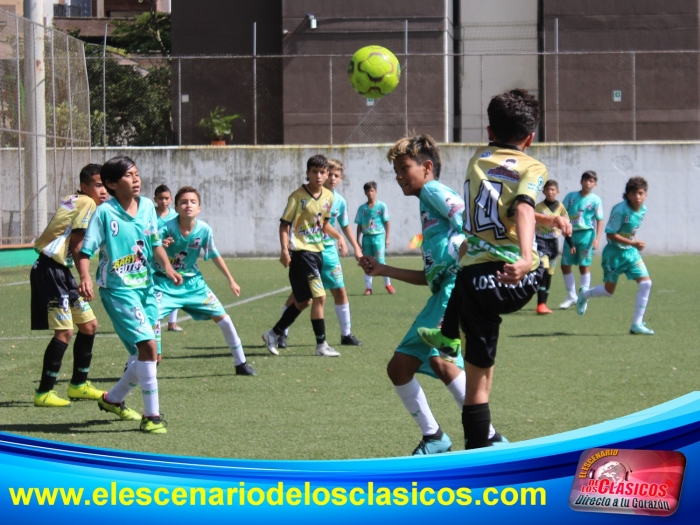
(548, 247)
(482, 302)
(56, 304)
(305, 275)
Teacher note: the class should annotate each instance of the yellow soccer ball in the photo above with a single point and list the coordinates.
(374, 71)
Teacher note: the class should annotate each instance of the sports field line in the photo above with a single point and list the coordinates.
(185, 318)
(14, 284)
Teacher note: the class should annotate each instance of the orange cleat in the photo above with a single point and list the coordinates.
(368, 291)
(542, 309)
(390, 289)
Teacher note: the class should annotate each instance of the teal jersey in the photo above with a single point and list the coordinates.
(339, 217)
(125, 243)
(583, 212)
(162, 221)
(372, 219)
(625, 222)
(183, 252)
(442, 217)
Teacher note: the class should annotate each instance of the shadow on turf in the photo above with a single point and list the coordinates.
(16, 404)
(563, 334)
(65, 428)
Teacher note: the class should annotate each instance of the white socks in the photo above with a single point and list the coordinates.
(343, 313)
(387, 281)
(585, 280)
(598, 291)
(368, 282)
(146, 371)
(286, 330)
(570, 284)
(232, 340)
(458, 388)
(126, 384)
(172, 318)
(642, 300)
(414, 400)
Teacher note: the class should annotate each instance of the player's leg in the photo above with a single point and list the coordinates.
(543, 292)
(379, 242)
(234, 343)
(282, 339)
(172, 322)
(568, 260)
(637, 270)
(80, 387)
(445, 338)
(585, 259)
(368, 249)
(613, 266)
(332, 279)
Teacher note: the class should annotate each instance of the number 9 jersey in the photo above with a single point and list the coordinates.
(498, 177)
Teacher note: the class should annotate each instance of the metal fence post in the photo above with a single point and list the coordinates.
(179, 102)
(330, 84)
(556, 72)
(20, 165)
(405, 76)
(255, 84)
(634, 96)
(104, 90)
(70, 106)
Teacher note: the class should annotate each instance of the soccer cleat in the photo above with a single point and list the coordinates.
(173, 327)
(494, 441)
(635, 329)
(84, 391)
(433, 337)
(244, 369)
(542, 309)
(282, 341)
(350, 340)
(324, 350)
(153, 425)
(120, 410)
(270, 338)
(582, 302)
(390, 289)
(368, 291)
(50, 399)
(433, 446)
(568, 303)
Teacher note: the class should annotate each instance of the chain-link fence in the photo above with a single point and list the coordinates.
(601, 96)
(44, 124)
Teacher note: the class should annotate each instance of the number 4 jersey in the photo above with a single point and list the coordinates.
(498, 177)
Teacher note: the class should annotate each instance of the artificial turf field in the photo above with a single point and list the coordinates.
(553, 373)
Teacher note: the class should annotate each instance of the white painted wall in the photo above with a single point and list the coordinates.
(244, 189)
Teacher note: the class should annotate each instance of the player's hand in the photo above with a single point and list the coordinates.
(235, 288)
(174, 276)
(285, 259)
(342, 247)
(358, 255)
(167, 241)
(159, 358)
(463, 249)
(573, 250)
(640, 245)
(514, 273)
(85, 289)
(387, 242)
(564, 225)
(595, 244)
(370, 265)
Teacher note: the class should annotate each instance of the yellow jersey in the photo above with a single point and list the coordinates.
(498, 177)
(73, 213)
(306, 215)
(555, 208)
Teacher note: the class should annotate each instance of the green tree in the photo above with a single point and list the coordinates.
(147, 33)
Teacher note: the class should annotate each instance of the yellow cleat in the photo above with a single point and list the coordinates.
(153, 425)
(50, 399)
(84, 391)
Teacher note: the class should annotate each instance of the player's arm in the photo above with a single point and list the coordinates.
(329, 230)
(624, 240)
(347, 230)
(387, 227)
(598, 233)
(161, 258)
(524, 218)
(82, 263)
(371, 267)
(554, 221)
(285, 258)
(221, 265)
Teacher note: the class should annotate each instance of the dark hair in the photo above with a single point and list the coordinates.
(114, 169)
(161, 189)
(88, 172)
(420, 148)
(635, 184)
(371, 185)
(317, 161)
(513, 115)
(551, 182)
(589, 174)
(187, 189)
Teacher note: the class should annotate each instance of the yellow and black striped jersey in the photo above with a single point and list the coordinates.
(498, 177)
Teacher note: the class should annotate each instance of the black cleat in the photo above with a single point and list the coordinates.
(350, 340)
(244, 369)
(282, 341)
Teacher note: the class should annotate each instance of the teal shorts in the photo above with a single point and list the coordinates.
(193, 296)
(583, 242)
(431, 315)
(375, 245)
(617, 262)
(332, 272)
(134, 314)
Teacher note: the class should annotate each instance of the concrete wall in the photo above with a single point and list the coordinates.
(244, 189)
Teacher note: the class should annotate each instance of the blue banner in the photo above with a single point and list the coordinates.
(526, 482)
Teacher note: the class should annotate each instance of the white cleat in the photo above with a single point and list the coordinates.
(270, 338)
(324, 350)
(568, 303)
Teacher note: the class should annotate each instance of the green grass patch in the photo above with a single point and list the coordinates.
(553, 373)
